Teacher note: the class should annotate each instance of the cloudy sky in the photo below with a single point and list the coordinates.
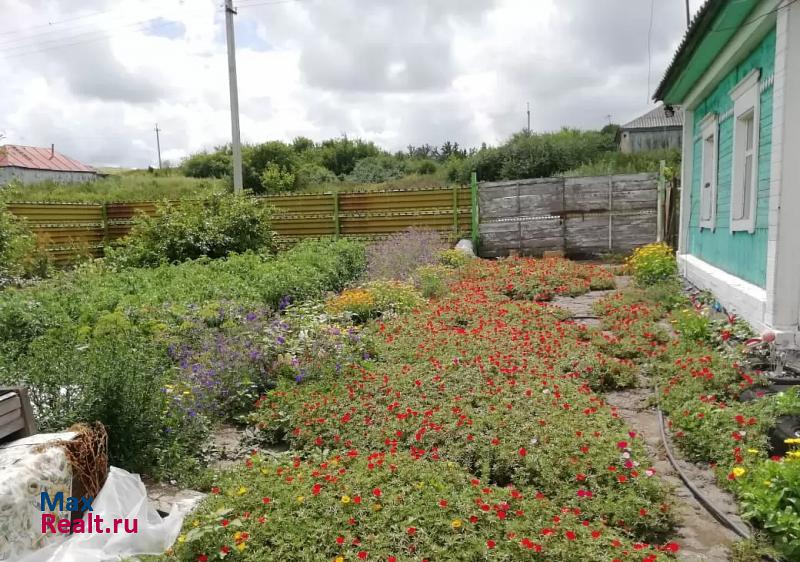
(95, 76)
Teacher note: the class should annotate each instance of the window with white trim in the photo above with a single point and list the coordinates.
(708, 171)
(744, 182)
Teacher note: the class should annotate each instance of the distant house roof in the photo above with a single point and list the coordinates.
(656, 119)
(37, 158)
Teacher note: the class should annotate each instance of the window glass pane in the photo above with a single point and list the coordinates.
(748, 186)
(706, 202)
(749, 133)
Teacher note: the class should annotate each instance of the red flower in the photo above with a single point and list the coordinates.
(411, 530)
(490, 544)
(363, 554)
(215, 490)
(442, 503)
(266, 500)
(202, 558)
(522, 451)
(376, 492)
(571, 536)
(340, 540)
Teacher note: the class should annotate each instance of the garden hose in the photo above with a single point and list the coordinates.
(743, 532)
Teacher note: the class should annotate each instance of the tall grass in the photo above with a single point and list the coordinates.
(634, 163)
(138, 185)
(132, 185)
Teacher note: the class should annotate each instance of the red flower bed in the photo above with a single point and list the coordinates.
(475, 434)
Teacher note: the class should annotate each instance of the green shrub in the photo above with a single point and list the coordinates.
(374, 299)
(692, 325)
(376, 169)
(432, 280)
(93, 344)
(275, 179)
(453, 258)
(770, 494)
(20, 254)
(213, 227)
(653, 263)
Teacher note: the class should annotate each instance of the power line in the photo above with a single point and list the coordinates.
(56, 44)
(58, 22)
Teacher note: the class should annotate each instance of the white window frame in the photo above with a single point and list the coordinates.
(709, 129)
(746, 104)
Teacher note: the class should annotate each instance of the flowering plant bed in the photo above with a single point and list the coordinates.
(474, 433)
(701, 376)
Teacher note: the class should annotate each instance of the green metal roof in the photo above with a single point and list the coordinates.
(711, 29)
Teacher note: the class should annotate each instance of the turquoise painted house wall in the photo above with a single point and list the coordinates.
(739, 253)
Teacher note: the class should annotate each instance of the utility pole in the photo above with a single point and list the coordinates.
(158, 145)
(688, 14)
(234, 88)
(529, 118)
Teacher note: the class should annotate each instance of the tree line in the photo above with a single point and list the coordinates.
(276, 166)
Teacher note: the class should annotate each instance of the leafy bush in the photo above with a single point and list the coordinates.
(692, 324)
(215, 164)
(159, 354)
(374, 299)
(399, 255)
(20, 254)
(770, 494)
(311, 174)
(213, 227)
(275, 179)
(432, 280)
(653, 263)
(377, 169)
(453, 258)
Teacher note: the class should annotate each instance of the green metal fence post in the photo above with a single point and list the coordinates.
(336, 224)
(473, 185)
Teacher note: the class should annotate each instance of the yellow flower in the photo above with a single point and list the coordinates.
(195, 523)
(420, 485)
(376, 507)
(455, 523)
(339, 559)
(301, 499)
(767, 483)
(242, 490)
(345, 499)
(793, 454)
(752, 451)
(241, 546)
(738, 471)
(182, 539)
(792, 441)
(265, 471)
(237, 536)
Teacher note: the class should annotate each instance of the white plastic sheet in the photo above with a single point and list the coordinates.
(123, 497)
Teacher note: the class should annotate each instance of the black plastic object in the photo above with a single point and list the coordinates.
(786, 427)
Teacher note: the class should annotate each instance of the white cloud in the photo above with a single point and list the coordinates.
(393, 71)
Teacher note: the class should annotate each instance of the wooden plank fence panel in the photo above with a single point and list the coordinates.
(570, 214)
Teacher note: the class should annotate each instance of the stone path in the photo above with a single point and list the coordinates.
(701, 537)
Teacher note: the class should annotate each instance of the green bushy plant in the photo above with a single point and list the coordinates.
(692, 324)
(214, 227)
(652, 264)
(20, 253)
